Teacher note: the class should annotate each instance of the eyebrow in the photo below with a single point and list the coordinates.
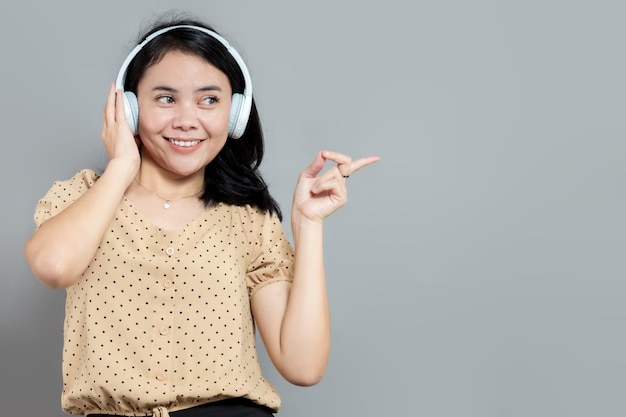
(198, 90)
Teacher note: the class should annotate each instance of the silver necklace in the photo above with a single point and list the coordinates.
(167, 203)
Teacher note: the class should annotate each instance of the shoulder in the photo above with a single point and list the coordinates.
(254, 217)
(82, 180)
(63, 193)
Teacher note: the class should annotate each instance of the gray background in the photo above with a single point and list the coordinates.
(478, 269)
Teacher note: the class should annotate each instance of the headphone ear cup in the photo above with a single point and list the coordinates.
(131, 109)
(234, 123)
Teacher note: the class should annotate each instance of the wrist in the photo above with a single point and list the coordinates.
(303, 226)
(123, 168)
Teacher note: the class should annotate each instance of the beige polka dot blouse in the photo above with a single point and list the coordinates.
(162, 318)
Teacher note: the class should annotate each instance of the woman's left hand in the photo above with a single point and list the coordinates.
(317, 197)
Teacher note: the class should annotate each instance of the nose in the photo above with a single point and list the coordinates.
(186, 116)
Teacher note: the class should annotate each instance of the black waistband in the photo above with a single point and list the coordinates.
(233, 407)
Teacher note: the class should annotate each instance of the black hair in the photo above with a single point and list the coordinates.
(233, 176)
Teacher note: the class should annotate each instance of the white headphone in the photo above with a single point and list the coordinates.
(241, 103)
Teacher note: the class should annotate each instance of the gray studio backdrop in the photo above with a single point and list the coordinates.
(478, 269)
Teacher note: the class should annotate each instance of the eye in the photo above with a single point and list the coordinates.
(165, 99)
(208, 100)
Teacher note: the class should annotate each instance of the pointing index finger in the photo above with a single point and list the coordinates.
(361, 163)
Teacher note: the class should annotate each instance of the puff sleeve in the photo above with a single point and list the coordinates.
(62, 194)
(272, 255)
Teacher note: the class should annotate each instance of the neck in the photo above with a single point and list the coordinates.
(167, 202)
(174, 196)
(167, 185)
(168, 188)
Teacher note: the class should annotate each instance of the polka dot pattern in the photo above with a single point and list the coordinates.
(161, 317)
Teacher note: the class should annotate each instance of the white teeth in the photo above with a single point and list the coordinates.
(184, 143)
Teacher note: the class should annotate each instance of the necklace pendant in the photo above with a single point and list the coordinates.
(166, 205)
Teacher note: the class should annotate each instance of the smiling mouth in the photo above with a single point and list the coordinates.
(184, 143)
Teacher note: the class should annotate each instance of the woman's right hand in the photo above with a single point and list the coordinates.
(117, 136)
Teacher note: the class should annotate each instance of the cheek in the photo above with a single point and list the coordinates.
(217, 123)
(150, 120)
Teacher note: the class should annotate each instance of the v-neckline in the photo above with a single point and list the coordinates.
(147, 221)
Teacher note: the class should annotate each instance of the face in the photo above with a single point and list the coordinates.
(184, 106)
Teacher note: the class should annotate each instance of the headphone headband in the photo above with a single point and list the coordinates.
(242, 103)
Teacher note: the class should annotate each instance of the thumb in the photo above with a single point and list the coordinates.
(315, 167)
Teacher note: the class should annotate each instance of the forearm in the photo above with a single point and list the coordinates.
(295, 323)
(305, 332)
(61, 249)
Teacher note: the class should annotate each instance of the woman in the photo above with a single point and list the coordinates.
(175, 252)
